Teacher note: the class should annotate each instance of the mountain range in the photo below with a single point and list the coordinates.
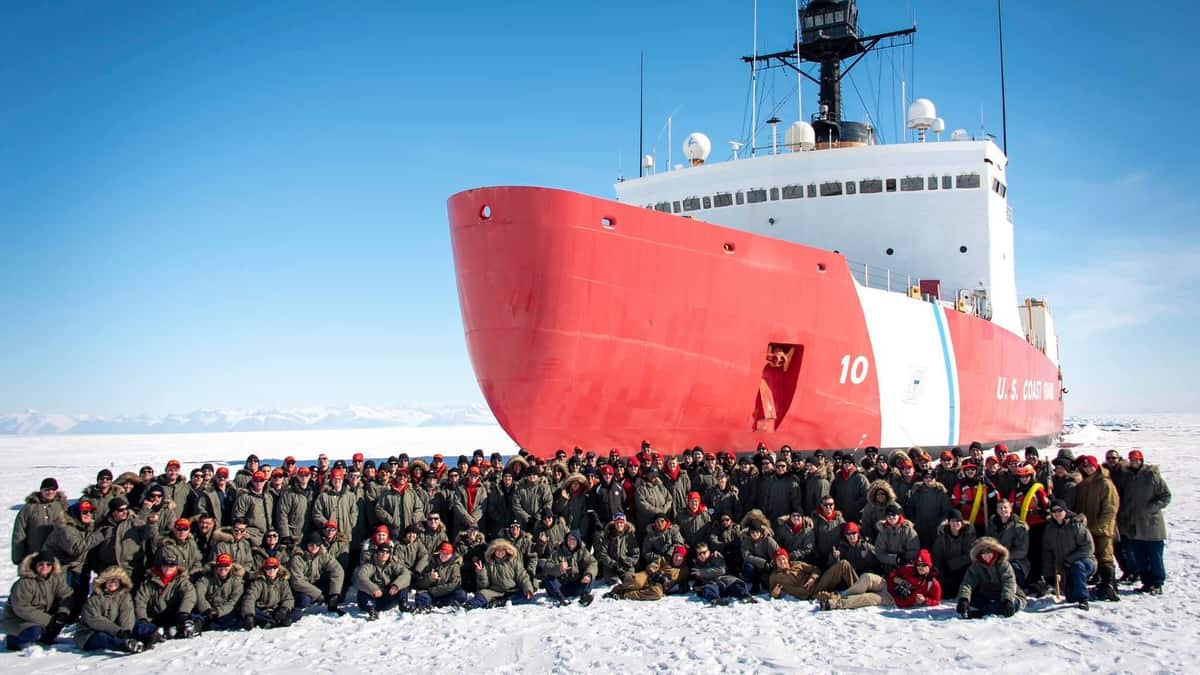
(33, 422)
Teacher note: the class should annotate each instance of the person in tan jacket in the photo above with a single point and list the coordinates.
(804, 581)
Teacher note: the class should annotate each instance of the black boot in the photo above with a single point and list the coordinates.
(1129, 577)
(1106, 590)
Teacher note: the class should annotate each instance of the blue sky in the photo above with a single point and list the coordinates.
(208, 205)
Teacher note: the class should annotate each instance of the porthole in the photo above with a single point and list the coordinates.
(485, 212)
(962, 249)
(771, 221)
(889, 251)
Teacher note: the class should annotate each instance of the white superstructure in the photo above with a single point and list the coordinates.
(922, 211)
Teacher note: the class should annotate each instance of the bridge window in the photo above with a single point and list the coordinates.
(831, 189)
(691, 204)
(812, 190)
(890, 185)
(756, 196)
(723, 199)
(967, 180)
(774, 194)
(793, 191)
(946, 183)
(707, 202)
(675, 207)
(739, 198)
(912, 184)
(870, 186)
(665, 207)
(932, 183)
(851, 187)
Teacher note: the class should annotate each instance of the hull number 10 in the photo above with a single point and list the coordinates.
(854, 368)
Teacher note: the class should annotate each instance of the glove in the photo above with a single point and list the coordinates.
(210, 616)
(248, 622)
(902, 589)
(331, 604)
(281, 616)
(656, 579)
(964, 606)
(182, 618)
(1007, 608)
(63, 616)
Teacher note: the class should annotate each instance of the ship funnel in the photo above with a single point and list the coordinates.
(696, 148)
(800, 136)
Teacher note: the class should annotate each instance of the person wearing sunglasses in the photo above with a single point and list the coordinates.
(36, 519)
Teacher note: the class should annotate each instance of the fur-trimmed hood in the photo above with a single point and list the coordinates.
(501, 544)
(235, 570)
(877, 487)
(756, 516)
(576, 478)
(895, 457)
(418, 464)
(36, 498)
(936, 486)
(109, 574)
(989, 544)
(26, 568)
(518, 464)
(611, 531)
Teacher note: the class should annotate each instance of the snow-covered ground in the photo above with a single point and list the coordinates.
(1137, 635)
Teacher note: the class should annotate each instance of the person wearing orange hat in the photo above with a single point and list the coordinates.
(335, 502)
(183, 546)
(242, 478)
(71, 543)
(439, 582)
(356, 461)
(218, 592)
(853, 548)
(292, 506)
(254, 506)
(268, 602)
(316, 575)
(469, 502)
(176, 491)
(974, 496)
(1140, 519)
(1031, 502)
(1096, 499)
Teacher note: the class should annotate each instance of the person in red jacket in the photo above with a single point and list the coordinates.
(1031, 503)
(969, 496)
(914, 584)
(911, 585)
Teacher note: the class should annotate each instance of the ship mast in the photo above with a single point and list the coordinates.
(828, 36)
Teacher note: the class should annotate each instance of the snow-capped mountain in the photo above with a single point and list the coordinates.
(33, 422)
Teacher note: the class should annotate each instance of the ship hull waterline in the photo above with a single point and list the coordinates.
(596, 324)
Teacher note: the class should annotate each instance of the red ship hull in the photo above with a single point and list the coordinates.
(596, 324)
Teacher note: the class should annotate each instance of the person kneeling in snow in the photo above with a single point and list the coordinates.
(910, 585)
(990, 585)
(501, 576)
(218, 592)
(39, 604)
(312, 568)
(712, 582)
(268, 602)
(440, 582)
(163, 604)
(382, 583)
(107, 620)
(570, 571)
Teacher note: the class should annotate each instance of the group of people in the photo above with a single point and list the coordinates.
(142, 557)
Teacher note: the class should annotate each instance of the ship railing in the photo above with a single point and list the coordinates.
(885, 279)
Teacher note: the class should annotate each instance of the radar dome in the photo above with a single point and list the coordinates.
(800, 136)
(939, 125)
(648, 162)
(960, 135)
(696, 148)
(921, 114)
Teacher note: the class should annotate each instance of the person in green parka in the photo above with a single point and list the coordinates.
(108, 616)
